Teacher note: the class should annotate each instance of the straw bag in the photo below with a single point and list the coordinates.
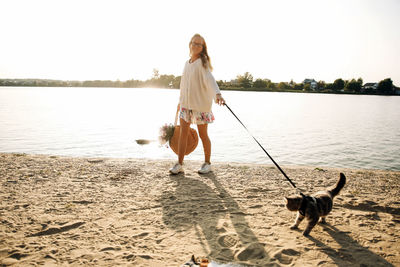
(192, 138)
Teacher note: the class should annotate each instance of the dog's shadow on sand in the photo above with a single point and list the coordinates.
(351, 252)
(194, 204)
(372, 206)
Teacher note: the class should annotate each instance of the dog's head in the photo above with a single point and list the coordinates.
(293, 203)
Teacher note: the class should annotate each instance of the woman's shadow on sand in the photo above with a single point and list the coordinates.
(195, 204)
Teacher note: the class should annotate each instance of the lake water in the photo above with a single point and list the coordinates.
(296, 129)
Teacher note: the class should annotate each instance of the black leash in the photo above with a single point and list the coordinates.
(276, 164)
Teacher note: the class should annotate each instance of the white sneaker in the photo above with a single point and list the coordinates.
(205, 168)
(178, 168)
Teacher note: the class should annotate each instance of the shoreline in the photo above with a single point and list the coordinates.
(60, 210)
(199, 162)
(222, 89)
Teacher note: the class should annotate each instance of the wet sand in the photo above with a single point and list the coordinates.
(128, 212)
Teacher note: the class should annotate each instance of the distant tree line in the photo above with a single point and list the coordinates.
(156, 81)
(244, 82)
(247, 82)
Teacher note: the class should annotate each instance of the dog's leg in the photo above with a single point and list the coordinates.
(323, 221)
(310, 226)
(298, 220)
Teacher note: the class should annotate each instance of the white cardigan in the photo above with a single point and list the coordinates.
(198, 87)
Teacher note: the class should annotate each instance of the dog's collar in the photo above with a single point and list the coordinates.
(304, 204)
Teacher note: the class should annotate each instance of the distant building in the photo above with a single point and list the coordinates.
(370, 86)
(313, 84)
(234, 82)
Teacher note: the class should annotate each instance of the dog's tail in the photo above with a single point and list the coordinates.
(339, 185)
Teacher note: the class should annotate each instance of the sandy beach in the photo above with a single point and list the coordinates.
(129, 212)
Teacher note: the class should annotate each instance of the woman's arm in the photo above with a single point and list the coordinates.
(180, 87)
(210, 81)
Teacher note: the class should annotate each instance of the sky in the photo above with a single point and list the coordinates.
(277, 40)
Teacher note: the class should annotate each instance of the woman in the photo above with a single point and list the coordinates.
(197, 91)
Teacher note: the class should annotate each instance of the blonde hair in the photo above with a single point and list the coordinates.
(205, 58)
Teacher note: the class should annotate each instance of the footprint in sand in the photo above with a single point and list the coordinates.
(285, 256)
(57, 230)
(253, 251)
(282, 258)
(228, 241)
(140, 236)
(109, 249)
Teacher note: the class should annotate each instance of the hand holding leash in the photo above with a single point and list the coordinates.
(220, 100)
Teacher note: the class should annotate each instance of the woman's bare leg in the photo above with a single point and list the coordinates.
(183, 139)
(205, 140)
